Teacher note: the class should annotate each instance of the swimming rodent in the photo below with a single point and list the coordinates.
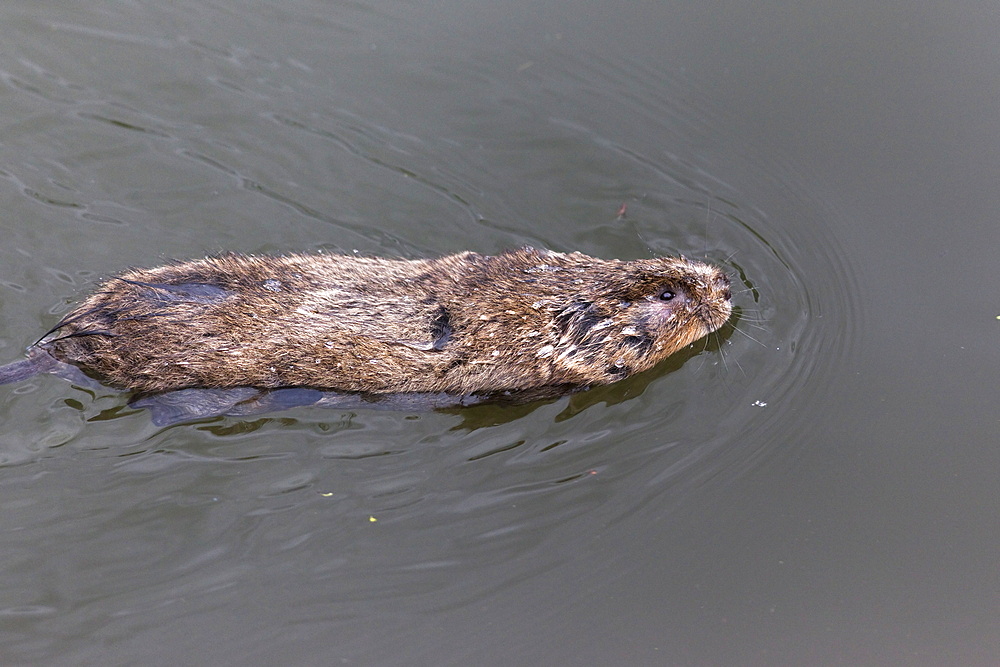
(464, 324)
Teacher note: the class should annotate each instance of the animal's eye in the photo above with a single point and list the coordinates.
(667, 295)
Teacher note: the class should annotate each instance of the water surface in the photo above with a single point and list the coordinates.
(814, 486)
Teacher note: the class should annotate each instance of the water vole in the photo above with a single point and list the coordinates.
(461, 324)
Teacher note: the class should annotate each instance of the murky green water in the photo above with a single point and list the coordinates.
(816, 486)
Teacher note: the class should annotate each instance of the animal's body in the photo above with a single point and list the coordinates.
(462, 324)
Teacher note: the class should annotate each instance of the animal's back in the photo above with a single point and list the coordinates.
(459, 324)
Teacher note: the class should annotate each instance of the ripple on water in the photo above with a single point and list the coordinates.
(440, 509)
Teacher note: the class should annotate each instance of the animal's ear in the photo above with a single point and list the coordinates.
(577, 318)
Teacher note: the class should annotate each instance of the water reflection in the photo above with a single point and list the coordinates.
(177, 130)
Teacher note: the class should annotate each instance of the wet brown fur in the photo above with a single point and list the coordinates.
(462, 324)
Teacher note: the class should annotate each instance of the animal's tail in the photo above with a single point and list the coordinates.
(37, 362)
